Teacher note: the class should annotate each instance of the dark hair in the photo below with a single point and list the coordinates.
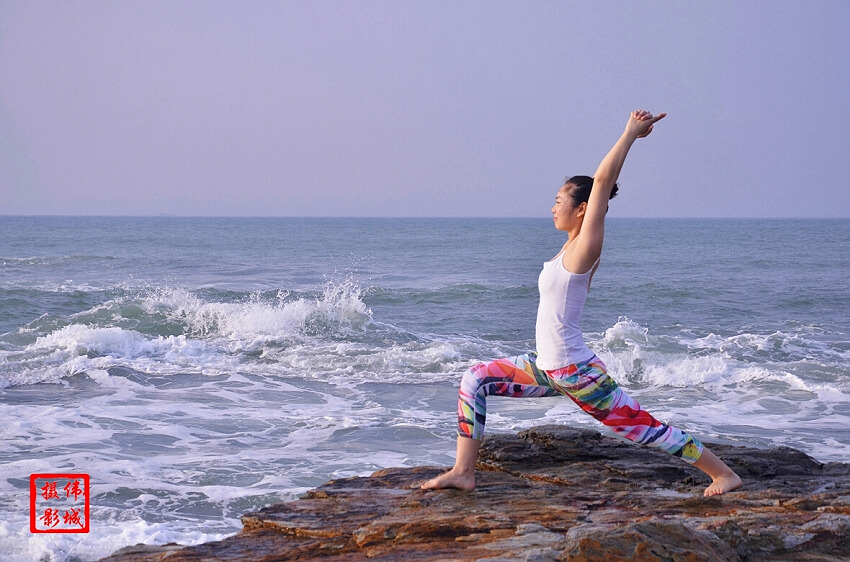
(581, 189)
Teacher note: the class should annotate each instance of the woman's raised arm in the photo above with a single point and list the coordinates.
(589, 241)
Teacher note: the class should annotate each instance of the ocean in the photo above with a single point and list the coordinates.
(200, 368)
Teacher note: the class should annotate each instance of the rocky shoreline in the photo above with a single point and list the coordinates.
(556, 493)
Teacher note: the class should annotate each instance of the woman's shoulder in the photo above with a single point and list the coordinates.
(580, 259)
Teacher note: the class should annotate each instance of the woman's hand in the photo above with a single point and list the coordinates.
(641, 122)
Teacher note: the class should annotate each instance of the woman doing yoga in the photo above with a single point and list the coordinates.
(563, 363)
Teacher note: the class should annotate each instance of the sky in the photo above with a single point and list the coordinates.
(431, 108)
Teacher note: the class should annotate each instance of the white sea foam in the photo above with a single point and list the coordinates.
(331, 337)
(632, 353)
(252, 323)
(79, 348)
(761, 388)
(17, 544)
(160, 485)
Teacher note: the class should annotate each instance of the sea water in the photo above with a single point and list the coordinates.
(201, 368)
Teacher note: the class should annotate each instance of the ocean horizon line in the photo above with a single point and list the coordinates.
(420, 217)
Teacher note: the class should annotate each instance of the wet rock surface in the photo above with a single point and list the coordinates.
(556, 493)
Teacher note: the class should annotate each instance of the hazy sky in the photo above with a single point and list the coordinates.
(425, 108)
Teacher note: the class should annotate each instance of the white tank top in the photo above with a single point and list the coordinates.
(562, 295)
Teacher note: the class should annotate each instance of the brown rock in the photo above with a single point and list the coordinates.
(647, 541)
(557, 493)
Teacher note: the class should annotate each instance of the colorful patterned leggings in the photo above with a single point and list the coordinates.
(587, 384)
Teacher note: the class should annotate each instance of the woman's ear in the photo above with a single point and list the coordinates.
(581, 209)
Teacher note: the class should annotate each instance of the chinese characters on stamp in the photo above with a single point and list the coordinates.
(59, 503)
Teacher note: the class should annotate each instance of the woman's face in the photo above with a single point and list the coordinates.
(564, 213)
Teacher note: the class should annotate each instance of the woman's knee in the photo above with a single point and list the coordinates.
(471, 380)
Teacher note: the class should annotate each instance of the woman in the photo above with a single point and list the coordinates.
(563, 363)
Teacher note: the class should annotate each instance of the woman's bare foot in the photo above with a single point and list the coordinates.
(462, 474)
(723, 478)
(451, 479)
(723, 484)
